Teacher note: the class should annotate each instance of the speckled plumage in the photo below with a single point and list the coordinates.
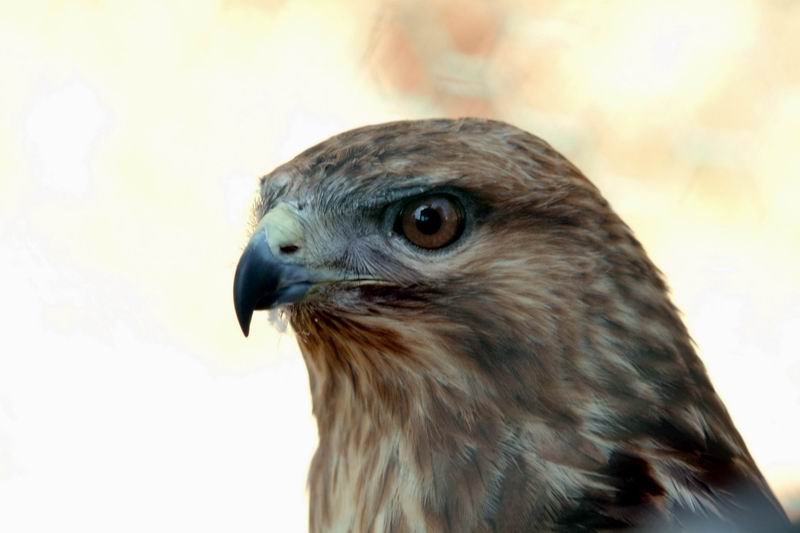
(532, 377)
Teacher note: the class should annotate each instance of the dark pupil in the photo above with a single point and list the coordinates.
(428, 220)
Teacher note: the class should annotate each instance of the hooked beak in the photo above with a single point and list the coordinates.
(263, 281)
(268, 274)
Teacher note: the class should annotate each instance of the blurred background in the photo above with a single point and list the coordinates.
(132, 135)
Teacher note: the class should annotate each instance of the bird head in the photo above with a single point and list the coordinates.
(459, 282)
(453, 249)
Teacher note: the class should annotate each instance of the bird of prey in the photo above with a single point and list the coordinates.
(489, 348)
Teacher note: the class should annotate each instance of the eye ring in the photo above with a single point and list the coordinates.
(431, 222)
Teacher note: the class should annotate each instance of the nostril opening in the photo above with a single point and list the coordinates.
(289, 249)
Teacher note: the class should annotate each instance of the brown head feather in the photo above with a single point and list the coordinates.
(535, 376)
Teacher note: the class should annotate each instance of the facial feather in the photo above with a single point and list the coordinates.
(532, 375)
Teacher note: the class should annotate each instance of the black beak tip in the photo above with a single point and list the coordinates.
(244, 320)
(244, 313)
(243, 296)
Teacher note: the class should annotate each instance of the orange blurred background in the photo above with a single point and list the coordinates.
(131, 138)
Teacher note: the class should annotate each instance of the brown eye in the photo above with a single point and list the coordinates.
(431, 222)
